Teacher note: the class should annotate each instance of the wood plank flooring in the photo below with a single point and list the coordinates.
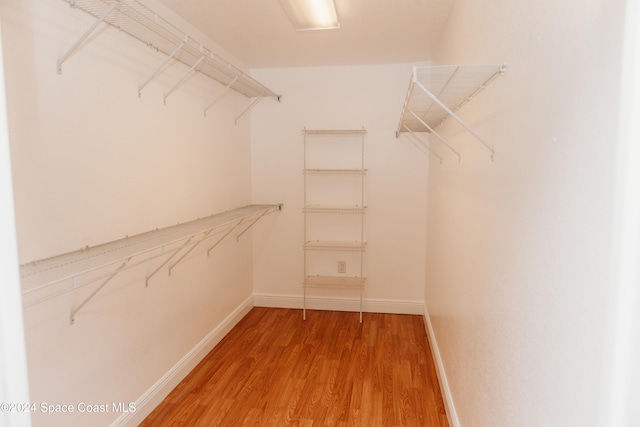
(274, 369)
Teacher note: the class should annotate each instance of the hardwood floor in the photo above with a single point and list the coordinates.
(274, 369)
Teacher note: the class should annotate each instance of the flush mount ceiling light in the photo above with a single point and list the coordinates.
(311, 14)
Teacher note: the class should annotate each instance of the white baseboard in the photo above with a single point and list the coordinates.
(340, 304)
(442, 376)
(152, 397)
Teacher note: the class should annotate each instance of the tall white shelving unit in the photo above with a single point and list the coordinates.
(334, 209)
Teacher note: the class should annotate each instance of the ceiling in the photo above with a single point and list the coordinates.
(258, 32)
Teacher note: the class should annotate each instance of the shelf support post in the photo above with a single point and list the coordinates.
(84, 36)
(72, 317)
(155, 73)
(435, 133)
(175, 252)
(458, 119)
(424, 144)
(253, 104)
(220, 95)
(177, 85)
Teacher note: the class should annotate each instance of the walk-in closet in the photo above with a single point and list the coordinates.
(391, 213)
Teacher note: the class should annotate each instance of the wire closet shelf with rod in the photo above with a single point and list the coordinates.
(96, 266)
(334, 208)
(438, 92)
(133, 18)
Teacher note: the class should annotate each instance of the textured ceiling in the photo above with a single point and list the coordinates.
(258, 33)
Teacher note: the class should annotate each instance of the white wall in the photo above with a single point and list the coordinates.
(340, 98)
(518, 250)
(624, 372)
(13, 367)
(92, 162)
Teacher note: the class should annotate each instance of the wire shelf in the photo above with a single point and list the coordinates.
(453, 85)
(138, 21)
(438, 92)
(335, 282)
(334, 132)
(38, 275)
(357, 172)
(347, 168)
(335, 209)
(335, 246)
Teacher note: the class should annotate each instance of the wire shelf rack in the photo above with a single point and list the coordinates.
(334, 132)
(335, 209)
(438, 92)
(140, 22)
(357, 172)
(77, 269)
(350, 148)
(335, 246)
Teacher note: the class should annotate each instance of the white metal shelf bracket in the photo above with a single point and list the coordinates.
(175, 252)
(223, 236)
(455, 116)
(238, 224)
(82, 38)
(251, 225)
(160, 68)
(221, 94)
(123, 266)
(435, 133)
(246, 110)
(192, 70)
(75, 285)
(204, 237)
(422, 143)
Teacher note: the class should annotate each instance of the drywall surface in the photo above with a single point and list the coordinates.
(518, 249)
(624, 374)
(93, 162)
(13, 364)
(395, 188)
